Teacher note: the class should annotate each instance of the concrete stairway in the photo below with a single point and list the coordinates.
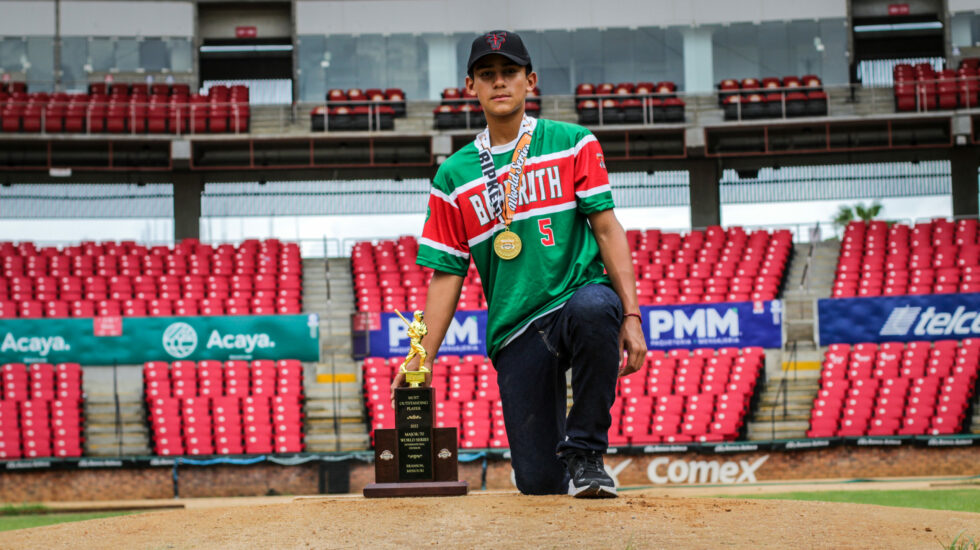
(335, 417)
(109, 432)
(800, 295)
(793, 379)
(783, 410)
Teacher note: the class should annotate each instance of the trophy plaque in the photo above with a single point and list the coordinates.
(415, 459)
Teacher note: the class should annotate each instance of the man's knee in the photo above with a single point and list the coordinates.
(541, 483)
(594, 302)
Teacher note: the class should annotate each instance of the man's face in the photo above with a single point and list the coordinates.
(500, 84)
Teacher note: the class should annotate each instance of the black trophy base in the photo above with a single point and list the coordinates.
(389, 481)
(416, 489)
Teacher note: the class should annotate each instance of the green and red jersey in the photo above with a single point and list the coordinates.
(564, 180)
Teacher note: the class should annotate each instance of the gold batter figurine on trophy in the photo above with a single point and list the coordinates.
(416, 330)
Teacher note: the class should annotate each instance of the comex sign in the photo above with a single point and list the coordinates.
(180, 340)
(662, 470)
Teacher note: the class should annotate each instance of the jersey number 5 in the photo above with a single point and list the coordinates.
(548, 236)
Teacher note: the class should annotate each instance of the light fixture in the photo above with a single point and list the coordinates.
(245, 48)
(893, 27)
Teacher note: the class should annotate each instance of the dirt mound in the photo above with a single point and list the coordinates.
(635, 520)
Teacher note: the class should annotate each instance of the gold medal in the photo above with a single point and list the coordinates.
(507, 245)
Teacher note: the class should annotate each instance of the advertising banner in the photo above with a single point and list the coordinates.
(135, 340)
(733, 324)
(737, 324)
(899, 318)
(465, 336)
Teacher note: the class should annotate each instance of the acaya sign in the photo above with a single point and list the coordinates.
(180, 340)
(41, 345)
(662, 470)
(136, 340)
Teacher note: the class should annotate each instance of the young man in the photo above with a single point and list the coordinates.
(529, 201)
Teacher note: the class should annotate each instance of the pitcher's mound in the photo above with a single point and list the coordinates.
(635, 520)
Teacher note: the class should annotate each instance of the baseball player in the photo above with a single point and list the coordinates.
(529, 202)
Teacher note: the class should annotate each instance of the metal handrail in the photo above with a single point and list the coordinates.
(783, 391)
(701, 108)
(814, 239)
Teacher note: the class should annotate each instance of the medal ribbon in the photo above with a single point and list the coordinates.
(500, 208)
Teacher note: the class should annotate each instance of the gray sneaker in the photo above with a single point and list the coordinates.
(588, 476)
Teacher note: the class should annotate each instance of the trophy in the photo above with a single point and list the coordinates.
(415, 459)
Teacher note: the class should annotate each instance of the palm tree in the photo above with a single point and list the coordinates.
(847, 214)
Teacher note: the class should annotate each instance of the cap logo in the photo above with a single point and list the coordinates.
(496, 39)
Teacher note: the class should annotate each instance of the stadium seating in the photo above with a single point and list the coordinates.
(112, 279)
(460, 109)
(356, 109)
(917, 388)
(921, 88)
(714, 265)
(235, 407)
(40, 410)
(628, 103)
(680, 396)
(122, 108)
(936, 257)
(386, 278)
(772, 97)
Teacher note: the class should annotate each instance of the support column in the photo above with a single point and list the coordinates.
(698, 60)
(705, 181)
(188, 189)
(960, 32)
(964, 165)
(442, 65)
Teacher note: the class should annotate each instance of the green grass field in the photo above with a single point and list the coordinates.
(31, 515)
(958, 500)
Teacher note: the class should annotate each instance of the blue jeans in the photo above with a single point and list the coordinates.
(584, 336)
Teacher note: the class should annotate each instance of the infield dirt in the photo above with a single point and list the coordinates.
(638, 519)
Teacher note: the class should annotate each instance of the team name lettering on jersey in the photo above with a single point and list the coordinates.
(537, 185)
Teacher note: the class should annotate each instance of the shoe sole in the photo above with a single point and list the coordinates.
(592, 490)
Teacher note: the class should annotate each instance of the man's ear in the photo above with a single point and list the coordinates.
(532, 81)
(469, 84)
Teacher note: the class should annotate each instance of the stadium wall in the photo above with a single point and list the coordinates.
(417, 16)
(656, 468)
(97, 18)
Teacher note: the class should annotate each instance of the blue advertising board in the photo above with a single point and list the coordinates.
(899, 318)
(465, 336)
(736, 324)
(730, 324)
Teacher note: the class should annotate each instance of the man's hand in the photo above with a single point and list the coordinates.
(399, 380)
(632, 341)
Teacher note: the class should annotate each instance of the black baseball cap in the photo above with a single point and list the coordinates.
(505, 43)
